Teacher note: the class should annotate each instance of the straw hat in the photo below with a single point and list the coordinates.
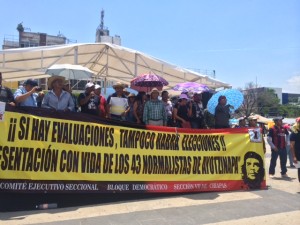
(154, 90)
(118, 84)
(253, 117)
(67, 82)
(54, 78)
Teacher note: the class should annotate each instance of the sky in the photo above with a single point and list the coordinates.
(242, 40)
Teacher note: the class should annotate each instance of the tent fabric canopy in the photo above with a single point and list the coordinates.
(109, 62)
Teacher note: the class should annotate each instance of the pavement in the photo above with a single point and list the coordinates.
(279, 204)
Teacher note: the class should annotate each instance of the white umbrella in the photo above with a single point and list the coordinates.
(69, 71)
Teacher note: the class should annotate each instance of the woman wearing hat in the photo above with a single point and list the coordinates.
(27, 94)
(57, 98)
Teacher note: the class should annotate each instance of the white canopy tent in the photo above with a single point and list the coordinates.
(109, 62)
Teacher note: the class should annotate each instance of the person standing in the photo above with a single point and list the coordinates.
(138, 107)
(102, 99)
(129, 112)
(252, 123)
(288, 146)
(117, 103)
(168, 108)
(295, 144)
(242, 122)
(209, 119)
(6, 94)
(89, 101)
(57, 98)
(277, 140)
(67, 87)
(197, 117)
(183, 112)
(154, 110)
(222, 113)
(27, 94)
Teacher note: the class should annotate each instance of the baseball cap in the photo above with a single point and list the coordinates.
(183, 96)
(89, 85)
(277, 118)
(97, 86)
(31, 82)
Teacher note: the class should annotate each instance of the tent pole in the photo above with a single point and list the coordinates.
(135, 64)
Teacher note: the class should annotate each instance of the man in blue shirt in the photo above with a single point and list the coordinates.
(27, 94)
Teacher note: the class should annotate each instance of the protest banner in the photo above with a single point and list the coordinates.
(42, 151)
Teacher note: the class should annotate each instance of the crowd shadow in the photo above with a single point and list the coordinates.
(19, 206)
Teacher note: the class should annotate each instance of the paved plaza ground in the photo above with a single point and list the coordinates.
(279, 204)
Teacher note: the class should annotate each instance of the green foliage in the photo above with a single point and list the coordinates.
(265, 102)
(289, 110)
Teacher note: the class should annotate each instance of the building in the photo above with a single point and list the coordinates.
(102, 33)
(289, 98)
(32, 39)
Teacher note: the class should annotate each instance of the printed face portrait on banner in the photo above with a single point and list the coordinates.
(253, 171)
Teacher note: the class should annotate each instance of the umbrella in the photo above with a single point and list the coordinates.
(261, 119)
(147, 82)
(69, 71)
(191, 87)
(234, 98)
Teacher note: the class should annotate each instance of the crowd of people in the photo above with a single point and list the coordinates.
(154, 108)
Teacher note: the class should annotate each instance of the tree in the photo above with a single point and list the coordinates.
(259, 100)
(289, 110)
(267, 102)
(249, 104)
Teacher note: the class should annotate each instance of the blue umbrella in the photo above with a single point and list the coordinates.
(234, 98)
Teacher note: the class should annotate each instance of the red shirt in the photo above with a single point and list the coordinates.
(278, 135)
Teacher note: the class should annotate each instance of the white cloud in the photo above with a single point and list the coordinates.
(292, 85)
